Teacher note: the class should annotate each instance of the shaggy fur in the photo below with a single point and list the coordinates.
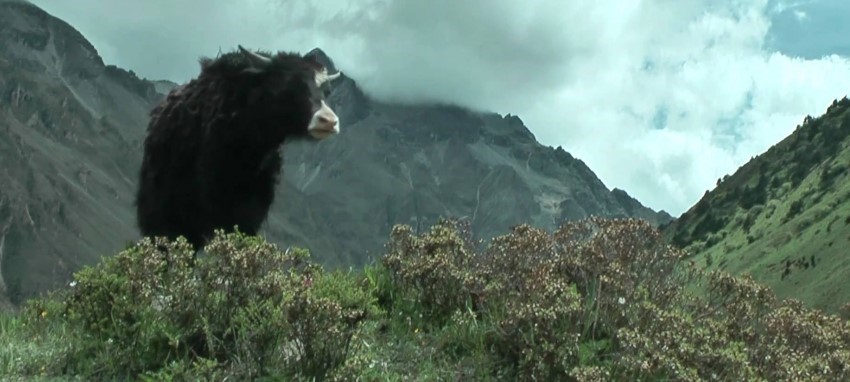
(211, 156)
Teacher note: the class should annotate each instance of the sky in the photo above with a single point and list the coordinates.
(659, 97)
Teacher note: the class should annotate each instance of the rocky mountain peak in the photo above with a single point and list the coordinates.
(323, 59)
(36, 35)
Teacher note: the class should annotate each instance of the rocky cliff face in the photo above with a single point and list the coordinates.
(70, 150)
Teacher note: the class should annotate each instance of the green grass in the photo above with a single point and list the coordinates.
(30, 351)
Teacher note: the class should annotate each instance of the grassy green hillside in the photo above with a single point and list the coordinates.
(784, 217)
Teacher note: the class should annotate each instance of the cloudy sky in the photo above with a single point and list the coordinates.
(658, 97)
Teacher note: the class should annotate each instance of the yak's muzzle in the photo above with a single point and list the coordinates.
(324, 123)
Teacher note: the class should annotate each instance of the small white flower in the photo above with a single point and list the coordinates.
(73, 283)
(621, 300)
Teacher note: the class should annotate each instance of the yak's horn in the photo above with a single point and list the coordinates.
(257, 60)
(322, 77)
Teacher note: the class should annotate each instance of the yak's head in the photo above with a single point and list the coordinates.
(299, 85)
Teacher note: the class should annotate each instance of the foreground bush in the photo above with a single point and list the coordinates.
(607, 300)
(244, 310)
(597, 300)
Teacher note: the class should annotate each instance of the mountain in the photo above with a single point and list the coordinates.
(783, 217)
(414, 164)
(70, 129)
(71, 147)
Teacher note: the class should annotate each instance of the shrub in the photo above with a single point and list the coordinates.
(595, 300)
(244, 310)
(552, 301)
(750, 218)
(435, 269)
(609, 300)
(793, 210)
(532, 302)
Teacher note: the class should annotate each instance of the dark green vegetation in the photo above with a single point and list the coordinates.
(784, 217)
(596, 300)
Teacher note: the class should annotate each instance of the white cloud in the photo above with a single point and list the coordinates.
(599, 81)
(801, 15)
(658, 97)
(780, 6)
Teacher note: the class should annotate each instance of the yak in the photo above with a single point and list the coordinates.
(212, 151)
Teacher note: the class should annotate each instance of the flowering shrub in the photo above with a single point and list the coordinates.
(609, 299)
(434, 269)
(244, 310)
(596, 300)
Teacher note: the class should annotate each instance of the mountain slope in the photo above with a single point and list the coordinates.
(784, 217)
(70, 152)
(69, 148)
(413, 165)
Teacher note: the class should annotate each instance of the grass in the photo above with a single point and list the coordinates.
(29, 352)
(596, 300)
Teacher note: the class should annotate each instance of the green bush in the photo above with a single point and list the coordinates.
(434, 269)
(596, 300)
(606, 300)
(543, 298)
(244, 310)
(793, 210)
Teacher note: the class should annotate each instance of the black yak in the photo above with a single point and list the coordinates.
(211, 155)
